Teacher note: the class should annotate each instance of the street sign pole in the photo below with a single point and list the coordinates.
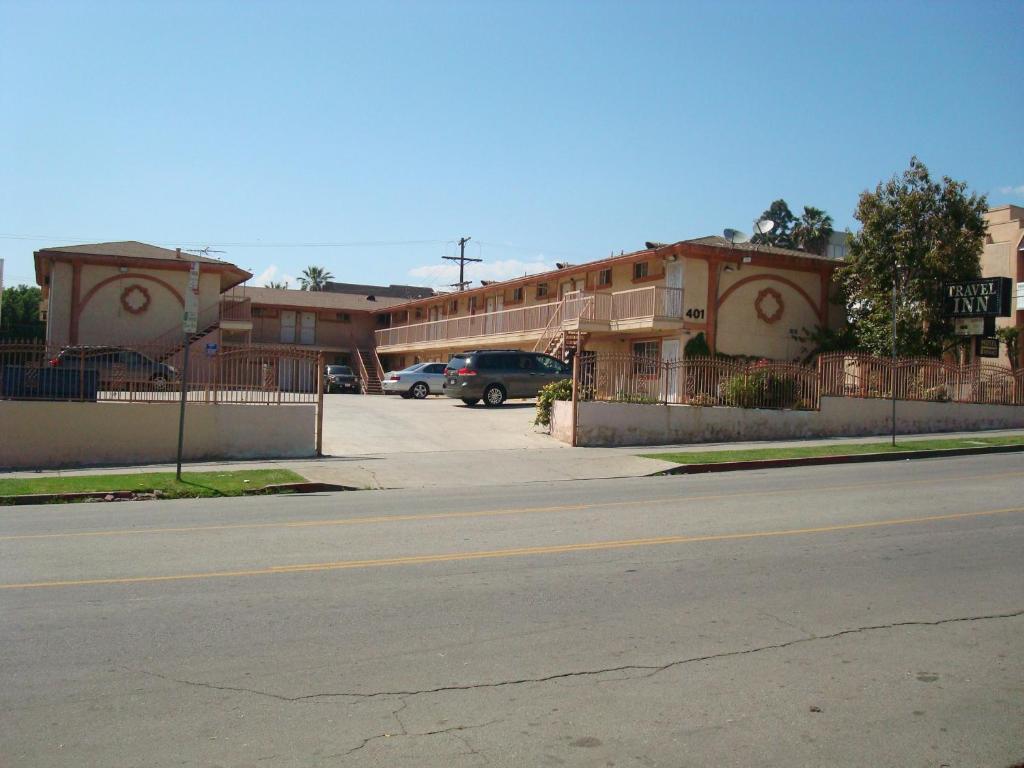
(190, 325)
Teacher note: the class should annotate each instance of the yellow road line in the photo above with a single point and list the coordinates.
(513, 552)
(488, 512)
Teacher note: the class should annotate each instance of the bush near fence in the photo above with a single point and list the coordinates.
(707, 381)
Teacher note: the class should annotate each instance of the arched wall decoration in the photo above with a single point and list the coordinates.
(772, 278)
(780, 305)
(126, 296)
(129, 276)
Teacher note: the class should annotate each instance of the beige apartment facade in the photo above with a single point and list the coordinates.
(131, 293)
(1003, 256)
(746, 300)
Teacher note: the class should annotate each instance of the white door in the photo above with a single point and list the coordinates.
(308, 328)
(674, 298)
(565, 288)
(287, 327)
(670, 354)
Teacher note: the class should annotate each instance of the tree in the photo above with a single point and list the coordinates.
(314, 278)
(19, 313)
(812, 231)
(781, 234)
(922, 233)
(277, 285)
(1010, 336)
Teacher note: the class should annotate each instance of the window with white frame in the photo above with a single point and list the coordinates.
(604, 278)
(640, 270)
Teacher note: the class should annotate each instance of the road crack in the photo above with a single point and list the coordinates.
(649, 670)
(453, 730)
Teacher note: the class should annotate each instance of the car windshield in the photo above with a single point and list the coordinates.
(412, 368)
(457, 362)
(336, 370)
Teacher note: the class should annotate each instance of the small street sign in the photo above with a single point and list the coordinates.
(190, 323)
(211, 350)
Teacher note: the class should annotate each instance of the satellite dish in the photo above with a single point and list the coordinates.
(734, 236)
(764, 226)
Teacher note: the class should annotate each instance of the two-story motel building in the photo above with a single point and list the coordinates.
(745, 299)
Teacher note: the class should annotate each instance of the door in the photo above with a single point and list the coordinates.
(674, 296)
(672, 370)
(287, 327)
(308, 329)
(489, 326)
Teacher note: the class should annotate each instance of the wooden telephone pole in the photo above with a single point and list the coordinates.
(462, 259)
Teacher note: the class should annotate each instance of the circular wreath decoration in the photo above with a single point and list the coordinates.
(759, 305)
(138, 306)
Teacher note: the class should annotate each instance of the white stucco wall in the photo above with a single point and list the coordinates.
(609, 424)
(48, 435)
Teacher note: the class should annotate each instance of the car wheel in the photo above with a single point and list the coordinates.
(494, 396)
(419, 390)
(159, 381)
(471, 400)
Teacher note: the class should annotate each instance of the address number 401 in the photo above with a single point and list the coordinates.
(695, 314)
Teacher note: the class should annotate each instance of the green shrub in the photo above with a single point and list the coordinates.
(760, 389)
(556, 390)
(697, 346)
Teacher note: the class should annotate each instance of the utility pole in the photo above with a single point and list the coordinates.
(462, 259)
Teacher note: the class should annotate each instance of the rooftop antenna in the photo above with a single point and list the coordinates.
(734, 236)
(203, 251)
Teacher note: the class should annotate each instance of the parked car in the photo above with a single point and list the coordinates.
(495, 375)
(117, 366)
(416, 381)
(340, 378)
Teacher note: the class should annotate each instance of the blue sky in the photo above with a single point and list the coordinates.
(550, 131)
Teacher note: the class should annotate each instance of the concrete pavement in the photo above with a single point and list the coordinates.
(801, 617)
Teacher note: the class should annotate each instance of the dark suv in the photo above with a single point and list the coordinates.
(495, 375)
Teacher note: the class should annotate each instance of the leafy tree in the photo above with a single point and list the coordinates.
(812, 230)
(1010, 336)
(781, 234)
(922, 233)
(314, 278)
(19, 313)
(277, 285)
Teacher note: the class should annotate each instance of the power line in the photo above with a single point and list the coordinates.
(241, 244)
(462, 259)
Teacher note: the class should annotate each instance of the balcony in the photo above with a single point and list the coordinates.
(642, 309)
(236, 313)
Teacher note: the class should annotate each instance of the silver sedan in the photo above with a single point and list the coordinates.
(416, 381)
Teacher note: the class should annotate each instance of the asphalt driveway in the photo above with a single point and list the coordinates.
(357, 425)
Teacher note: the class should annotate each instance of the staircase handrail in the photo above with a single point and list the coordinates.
(364, 376)
(380, 367)
(174, 337)
(549, 332)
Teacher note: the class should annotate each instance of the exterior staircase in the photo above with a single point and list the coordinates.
(562, 344)
(370, 371)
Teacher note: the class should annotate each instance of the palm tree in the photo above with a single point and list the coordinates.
(812, 231)
(279, 286)
(314, 278)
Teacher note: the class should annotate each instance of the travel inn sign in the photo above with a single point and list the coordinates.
(984, 297)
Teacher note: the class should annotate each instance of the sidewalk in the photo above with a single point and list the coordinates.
(475, 468)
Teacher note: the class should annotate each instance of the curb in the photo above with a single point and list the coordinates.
(59, 498)
(856, 458)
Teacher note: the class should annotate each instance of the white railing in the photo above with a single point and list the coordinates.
(519, 320)
(654, 302)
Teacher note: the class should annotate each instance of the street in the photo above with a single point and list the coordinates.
(863, 615)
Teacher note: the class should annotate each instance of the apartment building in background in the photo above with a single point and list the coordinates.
(745, 300)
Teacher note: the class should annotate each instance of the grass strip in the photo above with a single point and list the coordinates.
(193, 485)
(843, 449)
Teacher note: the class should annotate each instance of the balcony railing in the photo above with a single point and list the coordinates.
(653, 303)
(236, 309)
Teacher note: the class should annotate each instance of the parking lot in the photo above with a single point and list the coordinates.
(357, 425)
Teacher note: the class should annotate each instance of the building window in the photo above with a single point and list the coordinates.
(419, 313)
(344, 317)
(517, 294)
(257, 311)
(640, 270)
(645, 358)
(604, 277)
(453, 308)
(542, 290)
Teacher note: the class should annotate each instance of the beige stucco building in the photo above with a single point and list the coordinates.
(132, 293)
(1003, 256)
(745, 299)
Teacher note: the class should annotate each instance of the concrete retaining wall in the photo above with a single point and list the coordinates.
(610, 424)
(49, 435)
